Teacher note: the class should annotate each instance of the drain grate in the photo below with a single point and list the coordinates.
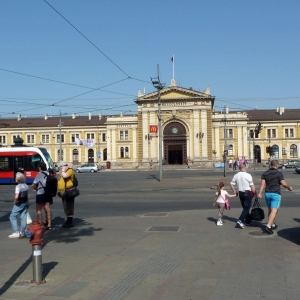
(155, 215)
(164, 228)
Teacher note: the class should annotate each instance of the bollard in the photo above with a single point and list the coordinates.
(35, 233)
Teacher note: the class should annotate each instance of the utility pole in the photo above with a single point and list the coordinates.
(225, 141)
(60, 145)
(159, 86)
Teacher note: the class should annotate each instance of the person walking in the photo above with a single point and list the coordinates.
(20, 207)
(65, 182)
(42, 200)
(221, 195)
(245, 187)
(150, 164)
(271, 180)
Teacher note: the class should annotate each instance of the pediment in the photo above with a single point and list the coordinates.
(174, 93)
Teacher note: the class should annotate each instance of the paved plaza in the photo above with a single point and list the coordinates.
(174, 255)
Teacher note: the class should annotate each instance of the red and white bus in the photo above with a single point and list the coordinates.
(25, 159)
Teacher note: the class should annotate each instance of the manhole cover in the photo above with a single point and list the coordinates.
(155, 215)
(260, 234)
(164, 228)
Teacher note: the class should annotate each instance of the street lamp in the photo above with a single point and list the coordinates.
(159, 86)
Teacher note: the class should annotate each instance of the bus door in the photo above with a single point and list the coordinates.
(18, 164)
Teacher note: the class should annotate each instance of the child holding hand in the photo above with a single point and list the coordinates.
(221, 195)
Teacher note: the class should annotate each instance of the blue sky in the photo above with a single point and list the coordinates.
(246, 51)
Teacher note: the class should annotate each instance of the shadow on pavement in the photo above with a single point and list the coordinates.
(152, 177)
(290, 234)
(56, 235)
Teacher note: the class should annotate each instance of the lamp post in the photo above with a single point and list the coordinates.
(159, 86)
(60, 144)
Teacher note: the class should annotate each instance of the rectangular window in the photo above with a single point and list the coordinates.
(45, 138)
(2, 139)
(30, 138)
(58, 138)
(124, 135)
(289, 132)
(251, 133)
(229, 133)
(90, 136)
(271, 133)
(74, 136)
(103, 137)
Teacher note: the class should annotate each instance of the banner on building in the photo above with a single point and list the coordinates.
(87, 143)
(153, 131)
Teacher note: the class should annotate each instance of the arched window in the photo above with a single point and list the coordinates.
(122, 152)
(58, 154)
(126, 152)
(75, 155)
(293, 151)
(90, 155)
(276, 151)
(105, 154)
(230, 150)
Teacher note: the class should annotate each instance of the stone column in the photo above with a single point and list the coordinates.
(245, 137)
(204, 130)
(108, 144)
(194, 142)
(114, 155)
(239, 140)
(134, 143)
(217, 142)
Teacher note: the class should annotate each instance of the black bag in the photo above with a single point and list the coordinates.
(51, 185)
(71, 193)
(257, 213)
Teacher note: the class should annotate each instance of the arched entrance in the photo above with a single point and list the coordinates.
(174, 144)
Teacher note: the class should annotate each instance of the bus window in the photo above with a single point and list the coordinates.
(6, 163)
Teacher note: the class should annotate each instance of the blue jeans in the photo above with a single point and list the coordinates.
(19, 209)
(246, 201)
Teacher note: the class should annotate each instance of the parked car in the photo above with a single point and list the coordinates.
(290, 164)
(297, 169)
(91, 167)
(56, 168)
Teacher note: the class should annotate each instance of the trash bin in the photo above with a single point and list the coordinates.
(108, 165)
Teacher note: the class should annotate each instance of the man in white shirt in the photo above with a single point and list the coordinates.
(245, 187)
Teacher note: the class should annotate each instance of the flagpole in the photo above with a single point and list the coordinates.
(173, 65)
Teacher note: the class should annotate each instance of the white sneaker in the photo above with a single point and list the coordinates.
(219, 223)
(14, 235)
(22, 234)
(240, 224)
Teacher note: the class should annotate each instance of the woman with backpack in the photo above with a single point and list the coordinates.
(42, 199)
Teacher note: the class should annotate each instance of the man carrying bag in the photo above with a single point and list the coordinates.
(272, 179)
(66, 188)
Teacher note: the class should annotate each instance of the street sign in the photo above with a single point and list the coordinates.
(99, 154)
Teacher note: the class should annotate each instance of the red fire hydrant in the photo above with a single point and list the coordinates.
(35, 233)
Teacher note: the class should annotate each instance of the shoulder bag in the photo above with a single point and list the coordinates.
(257, 213)
(227, 203)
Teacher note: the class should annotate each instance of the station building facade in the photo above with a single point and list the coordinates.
(192, 129)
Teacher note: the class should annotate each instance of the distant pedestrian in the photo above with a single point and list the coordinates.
(245, 186)
(150, 164)
(220, 197)
(20, 207)
(272, 179)
(189, 164)
(230, 163)
(234, 165)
